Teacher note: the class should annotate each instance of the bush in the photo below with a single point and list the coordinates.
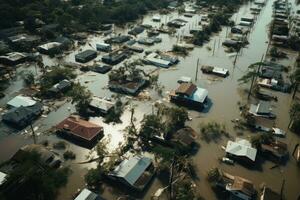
(60, 145)
(69, 155)
(212, 131)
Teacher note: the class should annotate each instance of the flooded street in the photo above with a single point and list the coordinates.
(224, 94)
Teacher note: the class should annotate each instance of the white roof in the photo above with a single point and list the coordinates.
(2, 177)
(241, 147)
(156, 17)
(278, 131)
(220, 70)
(19, 101)
(200, 95)
(50, 45)
(103, 44)
(131, 169)
(102, 104)
(86, 194)
(185, 79)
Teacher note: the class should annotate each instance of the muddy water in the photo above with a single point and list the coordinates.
(223, 93)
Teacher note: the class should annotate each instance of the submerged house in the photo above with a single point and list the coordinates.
(79, 130)
(135, 172)
(185, 136)
(276, 150)
(62, 86)
(13, 58)
(189, 95)
(115, 57)
(85, 56)
(240, 188)
(128, 87)
(19, 101)
(136, 30)
(262, 109)
(47, 157)
(215, 70)
(101, 105)
(241, 149)
(86, 194)
(161, 60)
(50, 48)
(103, 47)
(101, 69)
(23, 116)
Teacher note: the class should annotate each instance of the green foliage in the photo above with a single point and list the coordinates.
(212, 131)
(81, 97)
(115, 113)
(214, 175)
(29, 78)
(180, 50)
(164, 153)
(151, 125)
(69, 16)
(59, 145)
(30, 180)
(54, 76)
(69, 155)
(265, 138)
(295, 117)
(93, 178)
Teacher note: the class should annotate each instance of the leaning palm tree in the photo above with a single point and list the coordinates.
(294, 114)
(251, 75)
(295, 80)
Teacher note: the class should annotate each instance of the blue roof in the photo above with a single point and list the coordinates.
(131, 169)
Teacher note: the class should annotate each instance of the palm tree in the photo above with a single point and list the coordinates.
(294, 114)
(252, 74)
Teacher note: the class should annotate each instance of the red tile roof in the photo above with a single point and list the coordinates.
(80, 128)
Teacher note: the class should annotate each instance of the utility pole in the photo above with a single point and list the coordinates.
(196, 77)
(33, 134)
(214, 47)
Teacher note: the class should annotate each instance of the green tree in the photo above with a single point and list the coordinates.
(81, 97)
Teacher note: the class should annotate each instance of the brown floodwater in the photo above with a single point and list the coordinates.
(224, 95)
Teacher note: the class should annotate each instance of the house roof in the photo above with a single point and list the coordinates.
(79, 127)
(20, 100)
(243, 185)
(263, 107)
(17, 115)
(277, 148)
(61, 85)
(269, 194)
(101, 103)
(132, 169)
(200, 95)
(185, 135)
(186, 88)
(46, 156)
(50, 45)
(241, 148)
(2, 177)
(86, 194)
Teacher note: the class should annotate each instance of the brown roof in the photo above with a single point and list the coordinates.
(80, 127)
(276, 147)
(185, 136)
(186, 88)
(243, 185)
